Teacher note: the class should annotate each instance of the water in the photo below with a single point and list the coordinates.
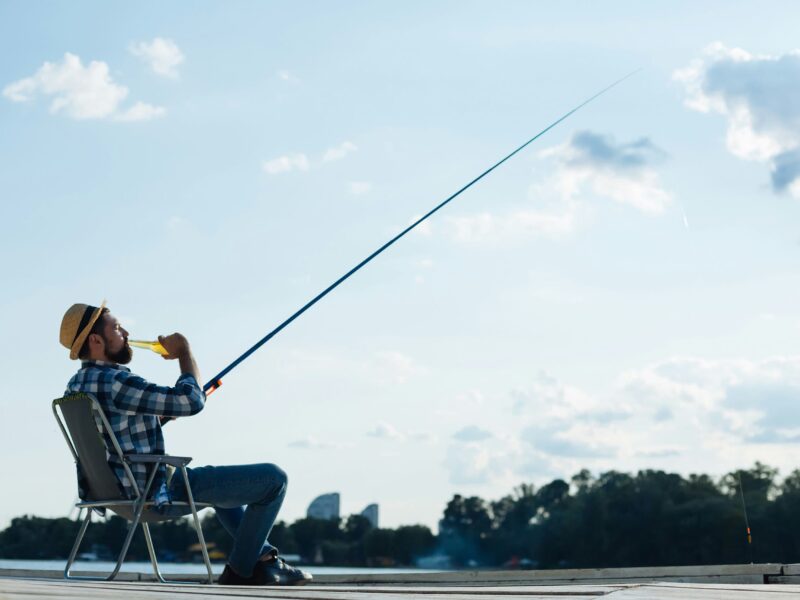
(178, 568)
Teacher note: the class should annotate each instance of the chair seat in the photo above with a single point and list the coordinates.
(150, 513)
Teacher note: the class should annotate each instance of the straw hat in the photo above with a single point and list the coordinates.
(76, 325)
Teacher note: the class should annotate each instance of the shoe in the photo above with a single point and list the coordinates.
(259, 577)
(285, 573)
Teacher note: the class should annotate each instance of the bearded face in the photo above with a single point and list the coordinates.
(122, 356)
(115, 337)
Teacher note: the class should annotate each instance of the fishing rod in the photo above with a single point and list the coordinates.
(746, 520)
(216, 381)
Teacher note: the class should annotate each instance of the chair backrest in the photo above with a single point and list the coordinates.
(87, 445)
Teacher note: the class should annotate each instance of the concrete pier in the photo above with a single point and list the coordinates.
(718, 582)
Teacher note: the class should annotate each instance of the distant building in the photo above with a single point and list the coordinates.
(371, 513)
(324, 507)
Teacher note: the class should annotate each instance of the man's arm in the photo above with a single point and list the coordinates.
(178, 345)
(131, 393)
(134, 394)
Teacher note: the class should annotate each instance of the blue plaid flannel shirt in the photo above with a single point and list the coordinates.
(133, 406)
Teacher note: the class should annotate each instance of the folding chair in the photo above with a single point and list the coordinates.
(85, 420)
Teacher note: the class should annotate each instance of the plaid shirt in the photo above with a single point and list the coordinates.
(133, 406)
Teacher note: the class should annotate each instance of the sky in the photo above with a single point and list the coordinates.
(621, 295)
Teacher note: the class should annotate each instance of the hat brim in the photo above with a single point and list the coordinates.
(78, 343)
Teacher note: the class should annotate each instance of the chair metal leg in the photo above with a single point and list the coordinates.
(128, 539)
(77, 544)
(122, 553)
(151, 548)
(152, 552)
(197, 526)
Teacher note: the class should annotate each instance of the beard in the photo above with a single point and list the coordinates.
(122, 356)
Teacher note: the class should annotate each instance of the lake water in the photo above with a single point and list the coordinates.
(177, 568)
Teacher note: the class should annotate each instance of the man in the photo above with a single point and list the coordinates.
(246, 498)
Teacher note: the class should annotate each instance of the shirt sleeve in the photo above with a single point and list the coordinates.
(131, 393)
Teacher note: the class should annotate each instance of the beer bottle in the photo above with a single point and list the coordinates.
(154, 346)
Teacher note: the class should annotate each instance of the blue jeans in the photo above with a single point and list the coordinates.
(246, 498)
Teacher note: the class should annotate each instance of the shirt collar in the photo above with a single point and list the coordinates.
(103, 365)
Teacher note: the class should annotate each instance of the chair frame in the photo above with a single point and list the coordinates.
(138, 504)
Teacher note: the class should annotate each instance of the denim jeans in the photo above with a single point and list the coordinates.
(246, 498)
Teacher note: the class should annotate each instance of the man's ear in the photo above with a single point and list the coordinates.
(95, 339)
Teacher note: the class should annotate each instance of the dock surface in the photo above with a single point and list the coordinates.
(34, 589)
(718, 582)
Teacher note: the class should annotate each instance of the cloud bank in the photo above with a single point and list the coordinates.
(682, 413)
(589, 167)
(759, 95)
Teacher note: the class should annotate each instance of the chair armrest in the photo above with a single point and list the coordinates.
(175, 461)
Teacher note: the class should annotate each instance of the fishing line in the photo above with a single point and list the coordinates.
(216, 381)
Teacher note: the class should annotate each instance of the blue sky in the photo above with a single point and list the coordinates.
(622, 295)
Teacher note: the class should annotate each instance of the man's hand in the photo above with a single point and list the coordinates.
(176, 345)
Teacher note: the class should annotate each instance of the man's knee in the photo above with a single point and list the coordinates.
(278, 475)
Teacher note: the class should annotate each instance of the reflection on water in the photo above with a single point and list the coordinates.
(176, 568)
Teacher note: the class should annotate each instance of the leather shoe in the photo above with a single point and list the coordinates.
(285, 573)
(259, 577)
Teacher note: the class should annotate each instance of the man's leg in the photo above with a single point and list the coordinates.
(231, 518)
(261, 487)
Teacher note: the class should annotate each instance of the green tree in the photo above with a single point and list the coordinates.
(411, 542)
(309, 533)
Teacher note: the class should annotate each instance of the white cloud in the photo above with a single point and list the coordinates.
(565, 442)
(473, 398)
(300, 162)
(469, 464)
(472, 433)
(424, 436)
(312, 443)
(385, 431)
(524, 223)
(80, 92)
(359, 187)
(760, 98)
(622, 172)
(743, 401)
(141, 112)
(339, 152)
(589, 166)
(286, 163)
(498, 461)
(547, 397)
(395, 367)
(163, 56)
(287, 76)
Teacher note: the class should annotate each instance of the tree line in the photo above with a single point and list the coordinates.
(613, 519)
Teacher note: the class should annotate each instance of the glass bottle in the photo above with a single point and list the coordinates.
(154, 346)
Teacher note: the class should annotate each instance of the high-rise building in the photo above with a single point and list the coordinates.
(325, 506)
(371, 513)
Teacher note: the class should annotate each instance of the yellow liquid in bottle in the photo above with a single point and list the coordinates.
(154, 346)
